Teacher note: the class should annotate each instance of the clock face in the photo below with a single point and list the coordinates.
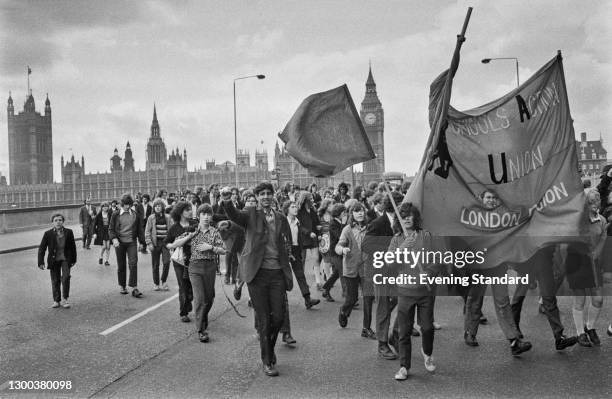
(370, 119)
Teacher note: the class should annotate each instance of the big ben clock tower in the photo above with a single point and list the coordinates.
(373, 118)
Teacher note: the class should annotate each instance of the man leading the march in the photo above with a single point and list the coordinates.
(264, 265)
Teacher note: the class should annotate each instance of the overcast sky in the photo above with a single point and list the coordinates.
(104, 64)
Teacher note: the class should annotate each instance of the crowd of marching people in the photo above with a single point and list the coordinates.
(266, 237)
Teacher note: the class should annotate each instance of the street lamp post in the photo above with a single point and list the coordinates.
(235, 129)
(487, 60)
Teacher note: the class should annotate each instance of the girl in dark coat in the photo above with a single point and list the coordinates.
(101, 232)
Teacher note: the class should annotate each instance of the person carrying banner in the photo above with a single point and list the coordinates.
(540, 266)
(501, 299)
(377, 239)
(264, 266)
(585, 276)
(414, 297)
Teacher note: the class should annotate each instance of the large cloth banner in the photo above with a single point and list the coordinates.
(504, 176)
(325, 135)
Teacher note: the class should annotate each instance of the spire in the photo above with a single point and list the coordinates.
(10, 108)
(47, 102)
(127, 147)
(154, 123)
(371, 97)
(370, 81)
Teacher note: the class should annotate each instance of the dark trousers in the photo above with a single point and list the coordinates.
(267, 291)
(406, 306)
(286, 327)
(542, 265)
(352, 294)
(185, 290)
(368, 301)
(202, 274)
(231, 266)
(336, 272)
(472, 309)
(298, 270)
(501, 302)
(384, 306)
(160, 250)
(60, 274)
(129, 250)
(87, 234)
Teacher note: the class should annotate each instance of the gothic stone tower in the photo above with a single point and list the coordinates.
(373, 118)
(30, 143)
(128, 160)
(156, 149)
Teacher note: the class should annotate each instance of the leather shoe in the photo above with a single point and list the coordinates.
(237, 292)
(203, 336)
(270, 370)
(519, 347)
(385, 352)
(592, 334)
(327, 296)
(563, 342)
(311, 302)
(583, 340)
(136, 293)
(483, 320)
(123, 291)
(342, 319)
(368, 333)
(288, 339)
(185, 319)
(415, 332)
(470, 339)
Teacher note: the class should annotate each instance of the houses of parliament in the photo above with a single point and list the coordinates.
(31, 181)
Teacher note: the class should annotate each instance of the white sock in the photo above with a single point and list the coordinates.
(593, 316)
(578, 321)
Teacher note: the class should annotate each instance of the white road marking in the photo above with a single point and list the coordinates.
(137, 316)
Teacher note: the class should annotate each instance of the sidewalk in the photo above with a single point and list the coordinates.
(13, 242)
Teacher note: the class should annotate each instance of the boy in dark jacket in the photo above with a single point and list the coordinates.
(125, 230)
(62, 256)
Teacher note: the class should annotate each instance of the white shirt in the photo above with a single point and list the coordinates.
(294, 225)
(391, 217)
